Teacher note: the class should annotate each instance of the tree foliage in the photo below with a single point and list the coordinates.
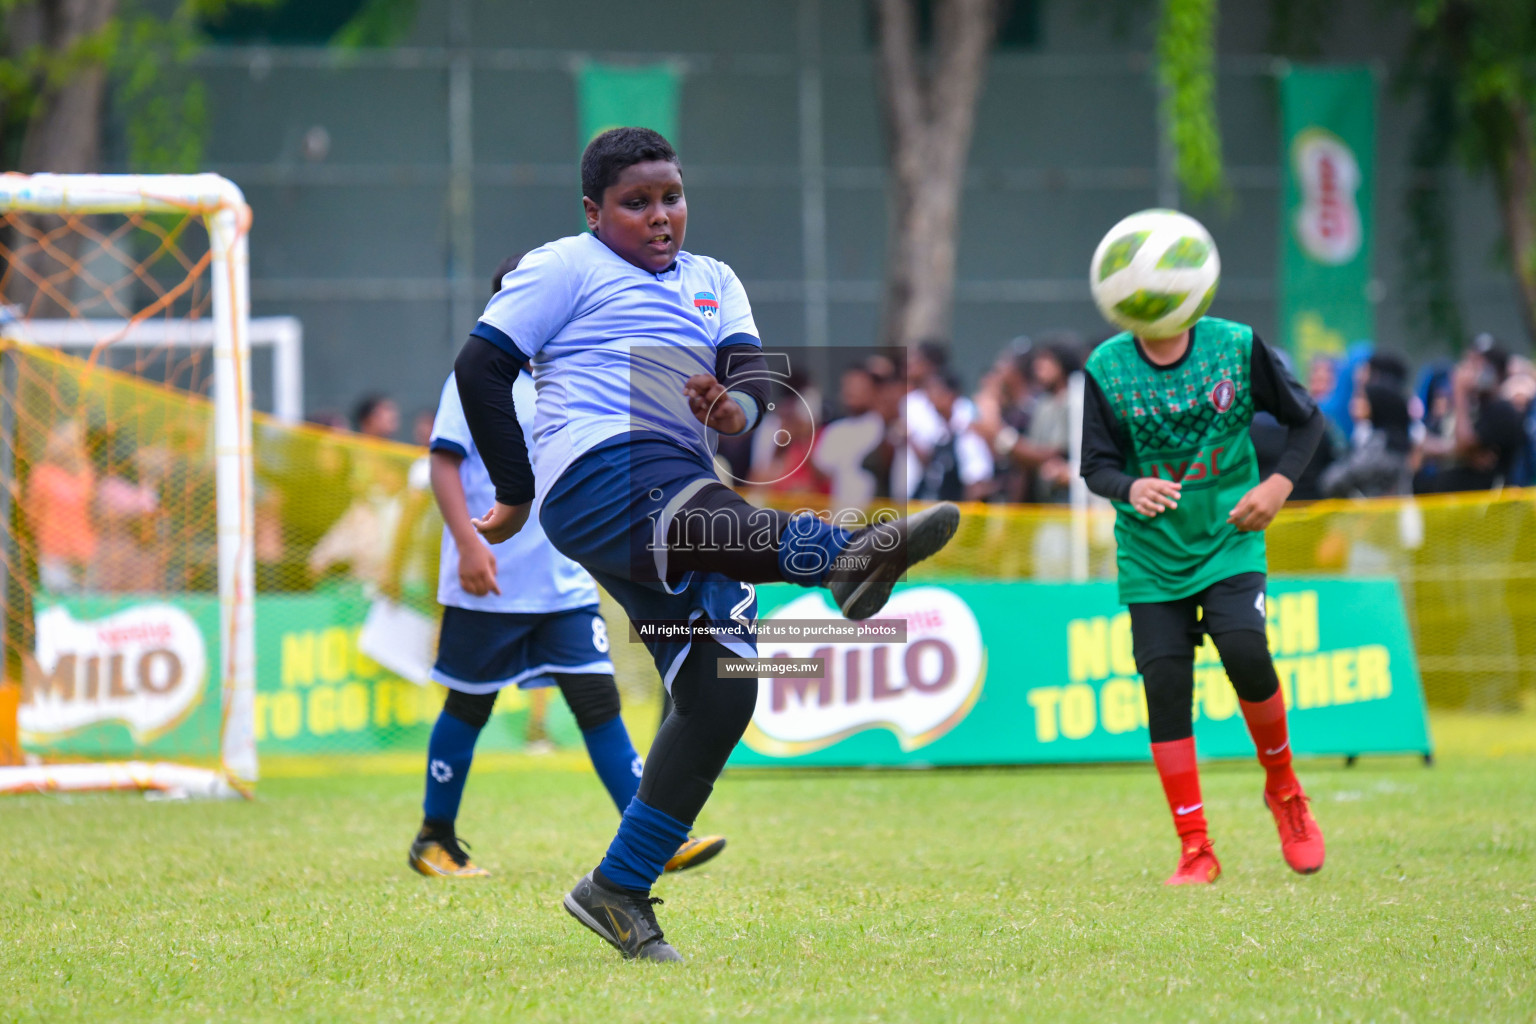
(141, 51)
(377, 23)
(1186, 73)
(1482, 55)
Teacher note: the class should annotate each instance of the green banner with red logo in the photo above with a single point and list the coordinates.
(1328, 160)
(1041, 673)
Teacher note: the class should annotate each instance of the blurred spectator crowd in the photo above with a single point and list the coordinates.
(1467, 425)
(904, 425)
(911, 429)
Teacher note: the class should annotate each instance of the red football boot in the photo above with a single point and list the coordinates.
(1301, 841)
(1198, 865)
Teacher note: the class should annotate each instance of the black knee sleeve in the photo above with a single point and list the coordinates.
(473, 709)
(593, 699)
(691, 747)
(1170, 683)
(1245, 656)
(720, 531)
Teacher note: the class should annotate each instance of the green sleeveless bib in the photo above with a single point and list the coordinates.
(1186, 422)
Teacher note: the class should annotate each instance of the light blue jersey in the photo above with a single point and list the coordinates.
(611, 345)
(533, 576)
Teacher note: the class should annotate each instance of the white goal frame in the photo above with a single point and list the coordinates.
(227, 218)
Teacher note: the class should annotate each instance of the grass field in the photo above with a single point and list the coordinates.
(954, 896)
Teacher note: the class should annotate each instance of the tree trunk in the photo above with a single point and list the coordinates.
(929, 121)
(1516, 179)
(63, 135)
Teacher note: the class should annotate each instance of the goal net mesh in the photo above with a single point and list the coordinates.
(110, 542)
(109, 548)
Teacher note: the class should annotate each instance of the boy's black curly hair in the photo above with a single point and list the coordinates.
(612, 151)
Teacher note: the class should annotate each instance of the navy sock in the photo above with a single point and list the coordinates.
(449, 753)
(646, 840)
(807, 548)
(614, 758)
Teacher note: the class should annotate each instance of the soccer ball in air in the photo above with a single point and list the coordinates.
(1155, 273)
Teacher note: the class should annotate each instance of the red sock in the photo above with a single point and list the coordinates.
(1175, 762)
(1266, 724)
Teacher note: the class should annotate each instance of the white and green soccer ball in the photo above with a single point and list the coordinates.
(1155, 273)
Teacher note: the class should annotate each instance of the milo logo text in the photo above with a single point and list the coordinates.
(144, 666)
(918, 690)
(1328, 222)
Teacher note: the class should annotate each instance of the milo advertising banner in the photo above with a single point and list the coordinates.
(109, 677)
(1328, 147)
(136, 675)
(1023, 673)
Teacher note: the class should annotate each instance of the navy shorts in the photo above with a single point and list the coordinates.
(480, 652)
(610, 511)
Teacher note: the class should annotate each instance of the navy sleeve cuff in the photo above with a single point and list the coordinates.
(741, 338)
(442, 444)
(497, 337)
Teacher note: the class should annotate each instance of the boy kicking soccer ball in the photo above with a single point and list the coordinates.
(1165, 437)
(514, 614)
(642, 353)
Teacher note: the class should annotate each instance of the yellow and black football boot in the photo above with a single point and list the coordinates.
(442, 855)
(695, 851)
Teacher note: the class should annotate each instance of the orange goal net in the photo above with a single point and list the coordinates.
(126, 502)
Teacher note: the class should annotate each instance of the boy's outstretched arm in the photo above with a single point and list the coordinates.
(1278, 393)
(485, 372)
(1104, 461)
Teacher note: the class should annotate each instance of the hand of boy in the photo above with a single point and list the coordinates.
(1258, 507)
(501, 522)
(477, 570)
(711, 405)
(1149, 495)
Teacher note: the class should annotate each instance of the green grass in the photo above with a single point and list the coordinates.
(943, 896)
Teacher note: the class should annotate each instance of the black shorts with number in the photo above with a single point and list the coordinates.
(1163, 629)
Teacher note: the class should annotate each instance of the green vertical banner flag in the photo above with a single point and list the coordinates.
(1328, 152)
(612, 96)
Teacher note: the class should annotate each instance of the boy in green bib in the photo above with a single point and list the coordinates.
(1165, 438)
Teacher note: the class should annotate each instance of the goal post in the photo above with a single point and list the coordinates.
(118, 248)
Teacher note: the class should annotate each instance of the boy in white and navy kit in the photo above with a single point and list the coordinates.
(642, 354)
(518, 613)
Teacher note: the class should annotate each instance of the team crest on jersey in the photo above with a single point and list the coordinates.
(1223, 395)
(706, 304)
